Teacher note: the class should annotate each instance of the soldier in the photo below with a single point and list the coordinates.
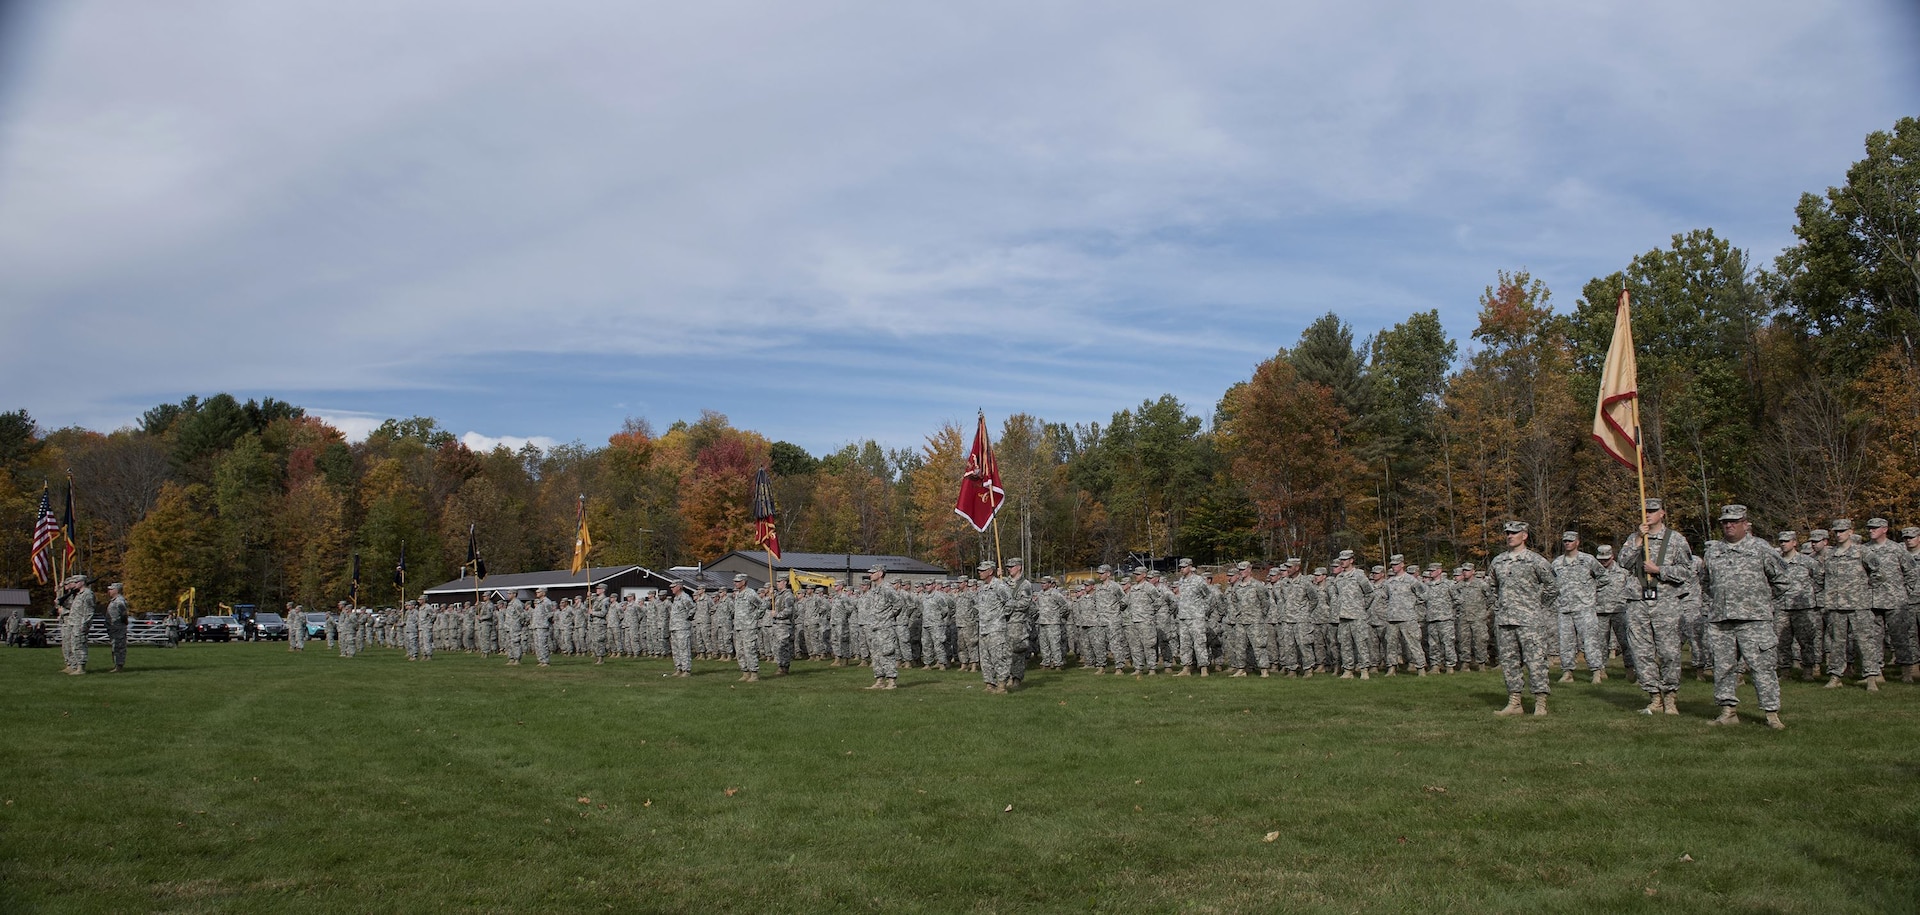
(781, 616)
(1051, 614)
(1903, 626)
(1661, 565)
(486, 626)
(1326, 645)
(1850, 622)
(1348, 592)
(1139, 607)
(1610, 606)
(1092, 633)
(746, 610)
(1742, 578)
(540, 621)
(880, 605)
(1579, 576)
(1298, 601)
(1793, 612)
(1473, 606)
(991, 607)
(680, 615)
(1020, 611)
(1524, 586)
(1403, 594)
(1438, 617)
(117, 626)
(1886, 585)
(1246, 644)
(76, 613)
(513, 629)
(1109, 605)
(1196, 594)
(296, 628)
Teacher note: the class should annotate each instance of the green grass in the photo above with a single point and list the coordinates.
(240, 778)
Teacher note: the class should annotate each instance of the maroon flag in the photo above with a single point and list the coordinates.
(980, 492)
(764, 533)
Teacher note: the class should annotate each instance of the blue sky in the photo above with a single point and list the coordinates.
(835, 221)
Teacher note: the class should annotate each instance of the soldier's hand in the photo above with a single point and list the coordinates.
(1649, 567)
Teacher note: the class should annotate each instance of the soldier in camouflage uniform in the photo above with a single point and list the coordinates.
(1138, 609)
(513, 618)
(1109, 603)
(1403, 594)
(1903, 626)
(1299, 602)
(1524, 588)
(966, 626)
(1660, 564)
(880, 604)
(1793, 613)
(540, 622)
(747, 609)
(1742, 578)
(1850, 622)
(782, 614)
(1473, 606)
(1195, 597)
(597, 627)
(1439, 623)
(1580, 577)
(1611, 607)
(1050, 614)
(1246, 631)
(1886, 584)
(1348, 592)
(117, 626)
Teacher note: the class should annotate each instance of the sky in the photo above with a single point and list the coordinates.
(839, 221)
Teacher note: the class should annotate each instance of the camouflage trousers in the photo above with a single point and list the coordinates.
(1752, 641)
(1246, 646)
(1693, 633)
(1142, 642)
(1192, 644)
(1653, 634)
(511, 642)
(1475, 642)
(1403, 644)
(1356, 644)
(1523, 646)
(1326, 644)
(543, 644)
(1053, 644)
(1297, 648)
(1093, 646)
(934, 634)
(996, 657)
(1856, 629)
(746, 649)
(906, 634)
(73, 641)
(1798, 632)
(682, 640)
(1580, 631)
(1613, 637)
(597, 637)
(839, 640)
(1903, 637)
(1443, 646)
(782, 643)
(117, 637)
(886, 655)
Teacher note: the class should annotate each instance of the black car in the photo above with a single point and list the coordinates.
(269, 626)
(215, 629)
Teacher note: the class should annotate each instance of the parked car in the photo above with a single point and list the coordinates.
(316, 625)
(215, 629)
(270, 627)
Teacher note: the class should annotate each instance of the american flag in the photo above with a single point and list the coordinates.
(45, 529)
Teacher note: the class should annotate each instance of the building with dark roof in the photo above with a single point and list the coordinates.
(620, 581)
(847, 567)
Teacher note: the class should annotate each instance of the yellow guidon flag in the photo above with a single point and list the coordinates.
(1616, 418)
(582, 541)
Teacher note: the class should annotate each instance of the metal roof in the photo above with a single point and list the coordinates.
(835, 562)
(556, 578)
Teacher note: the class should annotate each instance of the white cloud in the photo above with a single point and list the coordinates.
(355, 426)
(477, 442)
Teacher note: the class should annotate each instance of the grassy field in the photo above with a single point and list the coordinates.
(240, 778)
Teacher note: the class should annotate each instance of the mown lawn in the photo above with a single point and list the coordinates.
(240, 778)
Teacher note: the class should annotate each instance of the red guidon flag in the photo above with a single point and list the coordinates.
(764, 533)
(980, 492)
(1613, 417)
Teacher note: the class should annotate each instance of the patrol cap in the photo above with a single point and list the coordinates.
(1243, 565)
(1293, 560)
(1788, 535)
(1569, 536)
(1515, 527)
(1397, 559)
(740, 577)
(1140, 570)
(1433, 567)
(876, 567)
(116, 585)
(1816, 535)
(985, 564)
(1652, 505)
(1046, 579)
(1842, 524)
(1469, 566)
(1105, 569)
(1378, 569)
(1906, 533)
(1319, 570)
(1272, 571)
(1876, 522)
(1015, 561)
(1734, 513)
(1186, 563)
(1345, 555)
(1603, 551)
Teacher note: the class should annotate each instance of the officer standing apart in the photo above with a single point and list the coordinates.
(117, 626)
(1524, 587)
(1742, 576)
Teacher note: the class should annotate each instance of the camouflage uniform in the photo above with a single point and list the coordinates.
(1524, 587)
(1653, 626)
(1299, 601)
(1093, 634)
(1051, 614)
(747, 610)
(1348, 593)
(1140, 606)
(1741, 579)
(1794, 625)
(1442, 627)
(1196, 595)
(1109, 604)
(1579, 576)
(1246, 632)
(1473, 603)
(1611, 607)
(1903, 625)
(966, 627)
(680, 615)
(540, 621)
(598, 632)
(781, 616)
(1405, 594)
(512, 630)
(880, 606)
(1887, 585)
(1850, 622)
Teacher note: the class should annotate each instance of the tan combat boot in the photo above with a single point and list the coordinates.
(1873, 684)
(1307, 674)
(1833, 683)
(1184, 672)
(1364, 675)
(1599, 676)
(1727, 716)
(1264, 672)
(1539, 706)
(1654, 705)
(1671, 703)
(1908, 673)
(1513, 707)
(1566, 676)
(892, 684)
(753, 677)
(878, 683)
(1774, 722)
(1203, 671)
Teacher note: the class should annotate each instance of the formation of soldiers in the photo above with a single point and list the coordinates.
(1742, 607)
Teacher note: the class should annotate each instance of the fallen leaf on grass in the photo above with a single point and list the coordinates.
(649, 803)
(1649, 891)
(584, 800)
(1270, 837)
(732, 791)
(1436, 789)
(1008, 810)
(1403, 840)
(1686, 857)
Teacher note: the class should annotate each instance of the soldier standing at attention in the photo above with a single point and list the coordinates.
(1611, 607)
(1849, 616)
(512, 624)
(117, 626)
(597, 624)
(1109, 603)
(680, 612)
(1404, 595)
(1093, 632)
(1196, 595)
(1348, 591)
(1904, 625)
(1524, 587)
(1741, 578)
(992, 604)
(747, 609)
(1886, 586)
(1579, 576)
(1299, 601)
(296, 628)
(1443, 644)
(1142, 637)
(540, 620)
(1661, 577)
(76, 611)
(1793, 614)
(781, 616)
(1474, 606)
(1246, 643)
(1050, 614)
(881, 604)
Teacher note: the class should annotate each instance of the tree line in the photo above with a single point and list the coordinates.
(1792, 388)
